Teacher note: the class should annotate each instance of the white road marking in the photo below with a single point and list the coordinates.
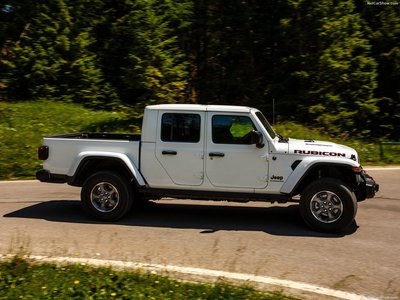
(158, 268)
(18, 181)
(382, 168)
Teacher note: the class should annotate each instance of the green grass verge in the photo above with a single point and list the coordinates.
(24, 124)
(20, 279)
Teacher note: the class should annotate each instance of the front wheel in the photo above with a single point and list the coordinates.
(328, 205)
(106, 196)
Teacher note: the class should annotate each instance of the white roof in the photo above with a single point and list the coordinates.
(200, 107)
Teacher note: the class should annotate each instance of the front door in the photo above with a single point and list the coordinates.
(180, 147)
(231, 160)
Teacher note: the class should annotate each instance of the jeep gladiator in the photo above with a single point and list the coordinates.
(208, 152)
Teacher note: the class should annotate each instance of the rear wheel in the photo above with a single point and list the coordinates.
(106, 196)
(328, 205)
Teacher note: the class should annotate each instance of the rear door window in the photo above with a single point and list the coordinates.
(180, 127)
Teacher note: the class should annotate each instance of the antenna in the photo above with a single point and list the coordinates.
(273, 111)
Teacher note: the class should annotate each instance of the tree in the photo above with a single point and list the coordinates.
(14, 16)
(140, 50)
(346, 74)
(332, 67)
(52, 60)
(158, 66)
(384, 22)
(309, 56)
(336, 63)
(235, 51)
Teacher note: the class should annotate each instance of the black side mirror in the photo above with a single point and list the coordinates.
(257, 139)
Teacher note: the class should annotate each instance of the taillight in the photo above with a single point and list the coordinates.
(43, 152)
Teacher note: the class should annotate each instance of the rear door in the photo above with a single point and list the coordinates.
(180, 146)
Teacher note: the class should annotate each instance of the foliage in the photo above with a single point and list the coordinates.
(148, 62)
(310, 57)
(332, 64)
(385, 39)
(21, 279)
(52, 59)
(345, 77)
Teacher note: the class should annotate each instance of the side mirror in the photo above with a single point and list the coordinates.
(257, 139)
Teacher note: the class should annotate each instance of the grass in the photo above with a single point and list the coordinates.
(20, 279)
(24, 124)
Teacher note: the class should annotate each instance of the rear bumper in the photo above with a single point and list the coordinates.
(46, 176)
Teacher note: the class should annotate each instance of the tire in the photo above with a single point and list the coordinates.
(106, 196)
(328, 205)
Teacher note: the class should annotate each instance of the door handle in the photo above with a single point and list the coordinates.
(169, 152)
(216, 154)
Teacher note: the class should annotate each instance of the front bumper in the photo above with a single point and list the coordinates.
(367, 188)
(371, 186)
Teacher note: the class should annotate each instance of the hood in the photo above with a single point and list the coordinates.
(321, 148)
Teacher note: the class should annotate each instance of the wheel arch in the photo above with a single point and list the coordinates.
(298, 182)
(90, 163)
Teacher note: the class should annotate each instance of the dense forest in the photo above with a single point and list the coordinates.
(331, 64)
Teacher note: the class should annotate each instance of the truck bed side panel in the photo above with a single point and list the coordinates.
(64, 151)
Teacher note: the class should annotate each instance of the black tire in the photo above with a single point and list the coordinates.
(106, 196)
(328, 205)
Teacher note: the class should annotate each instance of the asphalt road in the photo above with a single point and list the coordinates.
(256, 238)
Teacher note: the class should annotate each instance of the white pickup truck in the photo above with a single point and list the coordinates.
(208, 152)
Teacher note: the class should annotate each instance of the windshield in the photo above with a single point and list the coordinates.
(266, 125)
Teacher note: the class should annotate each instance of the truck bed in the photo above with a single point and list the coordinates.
(66, 151)
(98, 136)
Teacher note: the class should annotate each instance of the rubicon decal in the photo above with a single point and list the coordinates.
(323, 153)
